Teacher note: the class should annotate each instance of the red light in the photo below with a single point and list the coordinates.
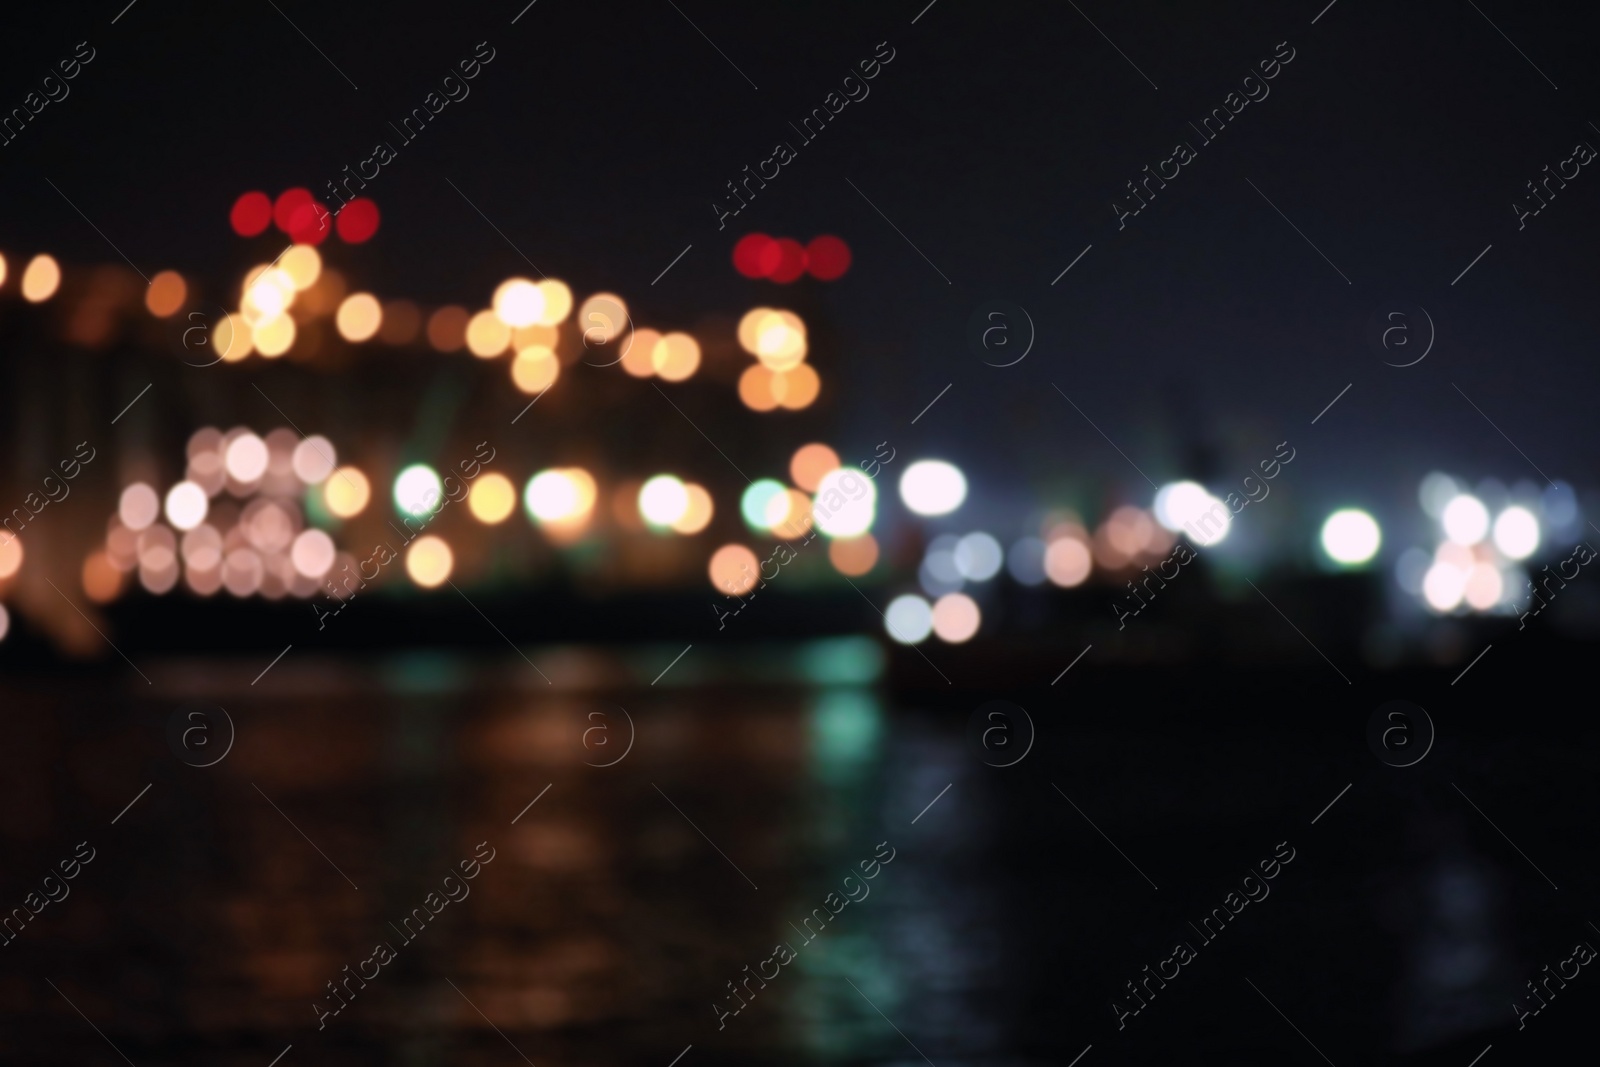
(756, 255)
(288, 201)
(827, 257)
(251, 214)
(308, 223)
(357, 221)
(792, 263)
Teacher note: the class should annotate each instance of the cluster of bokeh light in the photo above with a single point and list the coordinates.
(780, 377)
(1483, 538)
(784, 260)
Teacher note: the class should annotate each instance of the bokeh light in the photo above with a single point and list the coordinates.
(933, 487)
(1351, 536)
(557, 302)
(346, 492)
(827, 257)
(978, 557)
(245, 459)
(697, 516)
(102, 581)
(10, 554)
(1025, 561)
(798, 387)
(251, 214)
(40, 279)
(429, 561)
(274, 338)
(1067, 562)
(809, 463)
(663, 500)
(518, 302)
(955, 618)
(1465, 519)
(853, 556)
(733, 569)
(302, 264)
(487, 335)
(909, 619)
(186, 505)
(535, 369)
(492, 499)
(756, 255)
(846, 503)
(359, 317)
(675, 357)
(313, 459)
(166, 294)
(138, 506)
(638, 353)
(418, 490)
(764, 503)
(312, 553)
(357, 221)
(1443, 586)
(447, 328)
(1516, 532)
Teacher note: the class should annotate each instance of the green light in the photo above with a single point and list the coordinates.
(759, 501)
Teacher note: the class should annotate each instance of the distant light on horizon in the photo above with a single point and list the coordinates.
(1351, 537)
(933, 487)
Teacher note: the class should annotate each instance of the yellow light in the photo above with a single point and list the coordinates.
(557, 302)
(492, 499)
(165, 295)
(303, 264)
(698, 514)
(602, 318)
(810, 463)
(535, 369)
(663, 500)
(800, 387)
(231, 339)
(41, 279)
(268, 296)
(519, 302)
(274, 338)
(780, 340)
(429, 561)
(639, 359)
(523, 336)
(750, 328)
(2, 270)
(675, 357)
(101, 579)
(346, 492)
(359, 317)
(487, 335)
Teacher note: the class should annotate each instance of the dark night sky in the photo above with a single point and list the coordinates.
(996, 140)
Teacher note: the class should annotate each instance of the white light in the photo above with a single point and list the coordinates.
(246, 458)
(978, 557)
(909, 619)
(1186, 507)
(519, 303)
(1443, 586)
(552, 496)
(312, 553)
(1350, 536)
(313, 459)
(186, 505)
(1516, 532)
(845, 504)
(933, 487)
(663, 500)
(1465, 520)
(139, 506)
(418, 491)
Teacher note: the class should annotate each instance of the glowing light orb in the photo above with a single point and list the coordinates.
(417, 490)
(493, 498)
(955, 618)
(187, 504)
(519, 302)
(1465, 519)
(846, 503)
(933, 487)
(1516, 532)
(346, 492)
(663, 500)
(909, 619)
(1351, 536)
(429, 561)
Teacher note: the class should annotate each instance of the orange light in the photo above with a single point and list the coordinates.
(675, 357)
(810, 463)
(447, 328)
(101, 579)
(166, 294)
(535, 369)
(756, 388)
(10, 554)
(41, 279)
(734, 569)
(853, 556)
(639, 360)
(800, 387)
(487, 335)
(401, 321)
